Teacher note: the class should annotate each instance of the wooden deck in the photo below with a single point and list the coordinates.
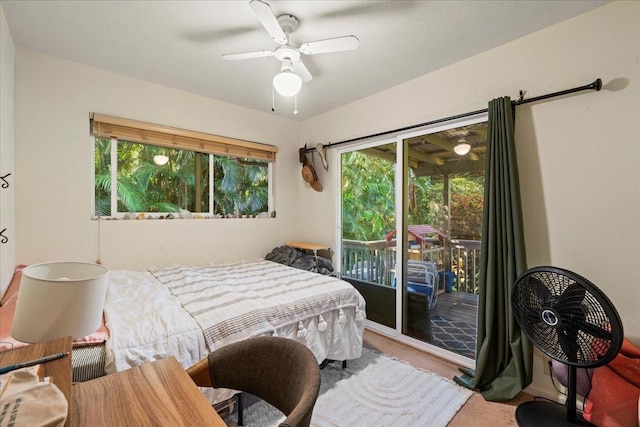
(457, 307)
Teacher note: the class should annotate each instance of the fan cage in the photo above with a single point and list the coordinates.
(567, 317)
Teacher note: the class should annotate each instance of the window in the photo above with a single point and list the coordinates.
(139, 174)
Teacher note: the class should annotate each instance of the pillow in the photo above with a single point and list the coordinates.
(615, 391)
(7, 342)
(11, 294)
(613, 401)
(6, 319)
(98, 337)
(627, 363)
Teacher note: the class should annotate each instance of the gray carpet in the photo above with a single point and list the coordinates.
(375, 390)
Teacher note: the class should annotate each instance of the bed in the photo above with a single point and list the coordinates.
(187, 311)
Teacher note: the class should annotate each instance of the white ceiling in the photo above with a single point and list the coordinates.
(180, 43)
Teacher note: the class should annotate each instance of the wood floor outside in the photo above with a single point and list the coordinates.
(457, 306)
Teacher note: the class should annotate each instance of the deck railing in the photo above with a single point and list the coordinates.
(374, 261)
(367, 261)
(465, 264)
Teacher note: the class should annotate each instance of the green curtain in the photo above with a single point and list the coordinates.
(504, 355)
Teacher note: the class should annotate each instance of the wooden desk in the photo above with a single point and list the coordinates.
(59, 370)
(154, 394)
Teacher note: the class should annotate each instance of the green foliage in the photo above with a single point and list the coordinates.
(425, 204)
(466, 207)
(367, 197)
(240, 187)
(102, 175)
(368, 201)
(143, 186)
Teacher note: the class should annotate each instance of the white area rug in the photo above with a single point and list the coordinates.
(375, 390)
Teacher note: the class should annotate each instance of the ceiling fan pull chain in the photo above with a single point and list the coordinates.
(295, 105)
(273, 98)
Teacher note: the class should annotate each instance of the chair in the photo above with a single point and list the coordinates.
(281, 371)
(422, 277)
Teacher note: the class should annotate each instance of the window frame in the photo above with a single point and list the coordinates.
(103, 126)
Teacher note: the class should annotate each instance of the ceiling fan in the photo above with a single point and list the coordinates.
(293, 72)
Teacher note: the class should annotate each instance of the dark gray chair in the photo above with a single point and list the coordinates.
(281, 371)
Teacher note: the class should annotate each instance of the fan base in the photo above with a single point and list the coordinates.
(537, 413)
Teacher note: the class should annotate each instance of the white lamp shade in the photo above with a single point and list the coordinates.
(59, 299)
(287, 83)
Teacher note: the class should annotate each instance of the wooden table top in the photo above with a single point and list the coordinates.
(308, 246)
(159, 393)
(59, 370)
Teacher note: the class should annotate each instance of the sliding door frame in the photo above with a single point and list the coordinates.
(401, 236)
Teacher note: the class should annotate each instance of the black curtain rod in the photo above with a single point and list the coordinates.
(596, 85)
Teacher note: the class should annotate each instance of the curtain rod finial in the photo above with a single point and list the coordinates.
(597, 85)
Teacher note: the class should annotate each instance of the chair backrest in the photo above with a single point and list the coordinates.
(281, 371)
(424, 272)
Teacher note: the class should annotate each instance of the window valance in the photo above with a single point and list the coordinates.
(105, 126)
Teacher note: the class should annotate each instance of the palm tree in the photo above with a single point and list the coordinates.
(102, 186)
(240, 186)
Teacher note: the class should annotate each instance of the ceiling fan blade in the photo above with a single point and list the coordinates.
(330, 45)
(247, 55)
(300, 69)
(269, 21)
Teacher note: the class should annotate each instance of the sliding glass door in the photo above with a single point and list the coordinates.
(443, 190)
(368, 217)
(410, 222)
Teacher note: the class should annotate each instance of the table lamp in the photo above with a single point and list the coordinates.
(59, 299)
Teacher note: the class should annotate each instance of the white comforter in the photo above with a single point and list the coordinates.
(150, 320)
(147, 323)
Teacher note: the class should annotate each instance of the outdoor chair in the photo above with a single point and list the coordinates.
(422, 278)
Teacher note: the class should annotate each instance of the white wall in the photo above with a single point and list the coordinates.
(7, 199)
(53, 99)
(579, 155)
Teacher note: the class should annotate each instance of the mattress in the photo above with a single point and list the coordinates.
(88, 362)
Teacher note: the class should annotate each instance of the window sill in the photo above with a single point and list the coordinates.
(175, 216)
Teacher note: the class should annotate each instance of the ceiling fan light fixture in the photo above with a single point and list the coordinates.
(287, 83)
(462, 148)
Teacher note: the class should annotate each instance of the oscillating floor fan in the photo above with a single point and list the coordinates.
(570, 320)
